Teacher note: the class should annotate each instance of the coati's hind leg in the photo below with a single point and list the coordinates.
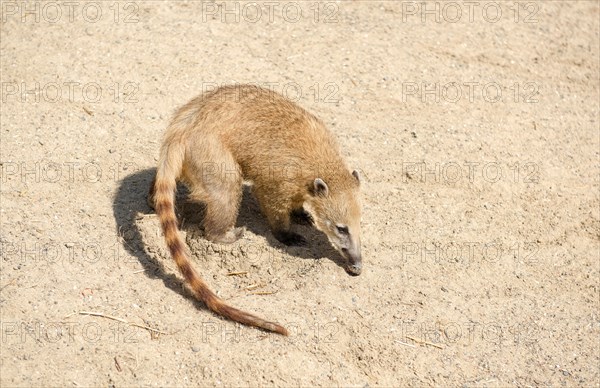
(222, 205)
(217, 184)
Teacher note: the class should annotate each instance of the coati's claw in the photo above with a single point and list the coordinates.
(290, 238)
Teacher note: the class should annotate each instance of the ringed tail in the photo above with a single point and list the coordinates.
(165, 184)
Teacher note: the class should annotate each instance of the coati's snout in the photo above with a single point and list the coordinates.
(337, 214)
(347, 241)
(353, 261)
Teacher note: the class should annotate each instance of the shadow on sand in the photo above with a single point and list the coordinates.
(130, 199)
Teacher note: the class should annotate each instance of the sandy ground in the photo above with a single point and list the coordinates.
(476, 129)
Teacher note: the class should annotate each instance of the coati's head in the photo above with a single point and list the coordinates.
(336, 212)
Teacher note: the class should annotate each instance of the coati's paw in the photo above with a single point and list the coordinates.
(289, 238)
(302, 217)
(228, 237)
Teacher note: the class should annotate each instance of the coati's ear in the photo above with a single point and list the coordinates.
(357, 176)
(320, 187)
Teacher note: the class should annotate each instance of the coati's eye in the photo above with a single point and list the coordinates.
(342, 229)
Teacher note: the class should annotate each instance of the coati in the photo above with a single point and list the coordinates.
(241, 133)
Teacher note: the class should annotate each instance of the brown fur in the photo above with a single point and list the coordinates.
(243, 132)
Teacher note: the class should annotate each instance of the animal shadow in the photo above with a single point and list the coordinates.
(130, 202)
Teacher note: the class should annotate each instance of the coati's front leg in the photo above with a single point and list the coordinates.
(284, 235)
(302, 217)
(288, 238)
(279, 218)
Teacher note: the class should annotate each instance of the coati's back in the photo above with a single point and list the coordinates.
(265, 130)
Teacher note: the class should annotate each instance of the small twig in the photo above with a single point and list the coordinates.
(89, 112)
(117, 365)
(139, 270)
(405, 344)
(253, 287)
(359, 314)
(423, 342)
(102, 315)
(237, 273)
(147, 328)
(263, 293)
(95, 314)
(409, 304)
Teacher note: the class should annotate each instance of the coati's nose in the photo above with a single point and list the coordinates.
(354, 269)
(354, 265)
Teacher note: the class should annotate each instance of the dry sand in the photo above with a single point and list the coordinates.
(478, 138)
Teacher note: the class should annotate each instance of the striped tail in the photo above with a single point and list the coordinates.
(163, 193)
